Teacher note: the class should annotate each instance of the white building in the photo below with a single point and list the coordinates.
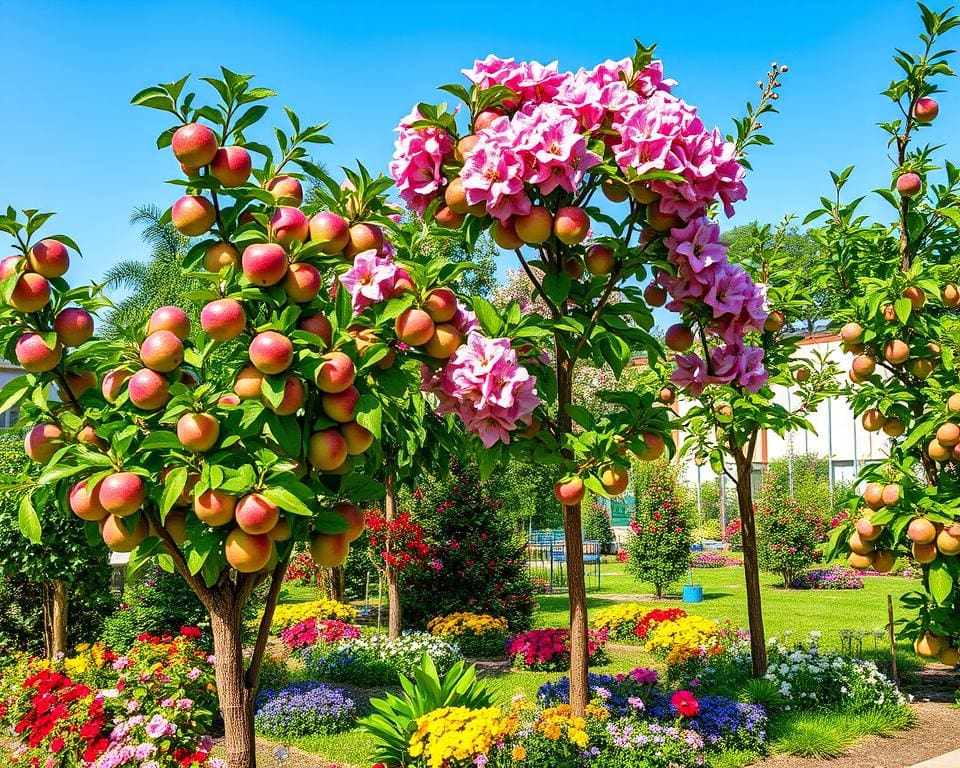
(8, 372)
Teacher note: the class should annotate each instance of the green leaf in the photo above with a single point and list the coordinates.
(902, 307)
(175, 482)
(330, 521)
(13, 392)
(29, 520)
(284, 499)
(940, 580)
(557, 286)
(487, 316)
(370, 414)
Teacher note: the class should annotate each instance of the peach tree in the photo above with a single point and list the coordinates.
(215, 450)
(529, 160)
(900, 323)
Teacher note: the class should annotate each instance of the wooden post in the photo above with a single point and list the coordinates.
(894, 674)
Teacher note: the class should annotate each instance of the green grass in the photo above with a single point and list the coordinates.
(826, 735)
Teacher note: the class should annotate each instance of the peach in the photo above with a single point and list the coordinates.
(894, 427)
(667, 396)
(909, 184)
(176, 526)
(948, 434)
(864, 365)
(119, 536)
(615, 480)
(193, 215)
(248, 552)
(949, 656)
(214, 507)
(87, 435)
(598, 260)
(774, 322)
(950, 296)
(271, 352)
(889, 313)
(860, 562)
(294, 396)
(329, 551)
(866, 530)
(536, 227)
(802, 374)
(883, 560)
(264, 263)
(79, 382)
(486, 118)
(923, 553)
(652, 448)
(341, 406)
(327, 450)
(318, 325)
(231, 166)
(456, 199)
(465, 146)
(926, 110)
(228, 400)
(220, 255)
(858, 545)
(281, 531)
(74, 326)
(896, 351)
(953, 402)
(505, 235)
(916, 295)
(947, 543)
(148, 390)
(85, 503)
(873, 420)
(171, 319)
(642, 193)
(41, 442)
(659, 221)
(363, 237)
(615, 191)
(161, 351)
(921, 531)
(414, 327)
(922, 367)
(194, 145)
(249, 383)
(355, 519)
(49, 258)
(122, 493)
(198, 432)
(654, 295)
(679, 337)
(441, 305)
(302, 282)
(571, 225)
(336, 373)
(569, 492)
(445, 341)
(289, 225)
(573, 267)
(286, 190)
(35, 355)
(329, 231)
(851, 333)
(358, 438)
(255, 514)
(31, 293)
(223, 319)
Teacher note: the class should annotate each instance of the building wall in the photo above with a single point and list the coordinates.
(8, 372)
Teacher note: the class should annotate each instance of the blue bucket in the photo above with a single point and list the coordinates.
(693, 593)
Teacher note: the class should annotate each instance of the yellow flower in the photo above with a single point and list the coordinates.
(459, 623)
(621, 615)
(684, 638)
(456, 734)
(285, 616)
(519, 753)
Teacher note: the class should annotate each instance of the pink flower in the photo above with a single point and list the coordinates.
(494, 170)
(696, 244)
(418, 160)
(464, 320)
(554, 150)
(372, 279)
(690, 374)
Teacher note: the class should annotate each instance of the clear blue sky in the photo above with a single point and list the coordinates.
(71, 142)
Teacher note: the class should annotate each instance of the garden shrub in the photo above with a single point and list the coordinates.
(659, 540)
(288, 614)
(478, 558)
(477, 635)
(837, 577)
(378, 660)
(302, 709)
(628, 622)
(689, 643)
(596, 526)
(549, 649)
(311, 631)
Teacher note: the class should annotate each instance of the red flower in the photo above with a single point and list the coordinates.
(57, 744)
(684, 703)
(191, 632)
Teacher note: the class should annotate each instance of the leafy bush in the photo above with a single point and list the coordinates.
(396, 718)
(620, 695)
(377, 660)
(477, 635)
(301, 709)
(549, 649)
(837, 577)
(479, 559)
(596, 526)
(659, 540)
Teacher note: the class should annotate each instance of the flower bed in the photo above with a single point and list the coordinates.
(620, 694)
(627, 622)
(301, 709)
(286, 615)
(837, 577)
(549, 649)
(687, 643)
(713, 560)
(477, 635)
(312, 631)
(377, 660)
(458, 735)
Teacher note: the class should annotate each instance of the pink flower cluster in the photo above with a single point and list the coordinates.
(373, 279)
(309, 632)
(418, 161)
(485, 385)
(546, 649)
(736, 305)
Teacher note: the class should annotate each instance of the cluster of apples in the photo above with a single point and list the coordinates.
(614, 479)
(910, 184)
(428, 326)
(945, 445)
(864, 554)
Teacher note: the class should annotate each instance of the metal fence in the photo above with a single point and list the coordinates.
(547, 560)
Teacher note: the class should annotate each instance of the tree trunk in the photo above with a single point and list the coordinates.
(338, 584)
(46, 599)
(395, 610)
(58, 618)
(236, 698)
(751, 570)
(577, 590)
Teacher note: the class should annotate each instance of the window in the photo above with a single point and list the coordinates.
(8, 419)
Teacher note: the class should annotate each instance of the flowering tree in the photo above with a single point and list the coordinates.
(659, 541)
(899, 319)
(728, 417)
(538, 147)
(216, 450)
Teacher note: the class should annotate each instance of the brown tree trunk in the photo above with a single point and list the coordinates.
(751, 569)
(577, 591)
(236, 699)
(338, 584)
(58, 617)
(46, 597)
(395, 610)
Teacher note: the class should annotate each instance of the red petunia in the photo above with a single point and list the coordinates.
(684, 703)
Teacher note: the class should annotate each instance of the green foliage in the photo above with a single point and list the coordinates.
(658, 545)
(480, 555)
(395, 717)
(596, 525)
(527, 494)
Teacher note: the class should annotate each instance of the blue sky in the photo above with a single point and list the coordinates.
(73, 144)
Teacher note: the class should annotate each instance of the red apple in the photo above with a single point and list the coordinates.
(231, 166)
(194, 145)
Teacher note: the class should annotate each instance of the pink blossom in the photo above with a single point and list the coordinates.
(697, 244)
(690, 373)
(554, 150)
(531, 81)
(418, 160)
(372, 279)
(464, 320)
(494, 171)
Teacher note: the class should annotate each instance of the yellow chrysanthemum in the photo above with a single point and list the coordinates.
(461, 623)
(285, 616)
(684, 638)
(457, 734)
(615, 616)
